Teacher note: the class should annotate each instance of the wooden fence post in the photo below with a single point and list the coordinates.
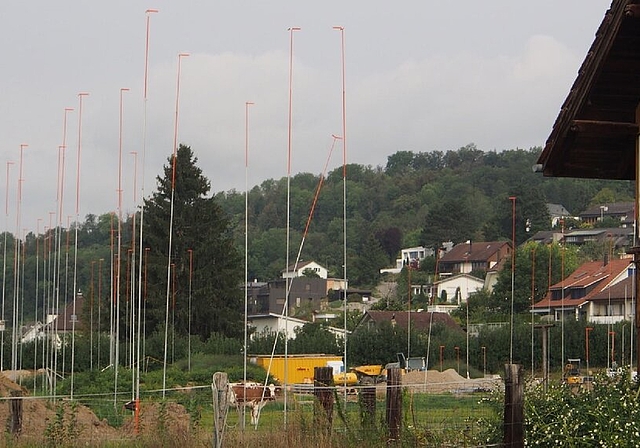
(394, 403)
(219, 386)
(16, 412)
(513, 406)
(323, 391)
(368, 406)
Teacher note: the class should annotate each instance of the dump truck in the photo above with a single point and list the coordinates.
(407, 364)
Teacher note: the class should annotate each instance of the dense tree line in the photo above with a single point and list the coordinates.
(421, 198)
(417, 198)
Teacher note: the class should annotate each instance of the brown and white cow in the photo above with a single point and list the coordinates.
(252, 395)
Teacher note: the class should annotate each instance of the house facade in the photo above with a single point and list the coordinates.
(580, 295)
(557, 212)
(456, 289)
(304, 292)
(620, 211)
(467, 257)
(294, 270)
(277, 323)
(411, 256)
(613, 304)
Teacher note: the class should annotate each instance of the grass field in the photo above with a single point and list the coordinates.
(428, 420)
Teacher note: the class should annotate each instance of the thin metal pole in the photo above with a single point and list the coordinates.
(288, 231)
(75, 252)
(513, 271)
(4, 265)
(344, 200)
(246, 257)
(116, 362)
(173, 189)
(141, 331)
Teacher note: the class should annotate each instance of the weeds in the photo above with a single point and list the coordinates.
(64, 428)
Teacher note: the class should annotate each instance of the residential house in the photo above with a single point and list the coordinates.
(411, 256)
(274, 323)
(62, 323)
(307, 293)
(491, 277)
(419, 321)
(611, 238)
(620, 211)
(68, 320)
(456, 289)
(468, 257)
(294, 270)
(546, 237)
(557, 212)
(571, 297)
(612, 304)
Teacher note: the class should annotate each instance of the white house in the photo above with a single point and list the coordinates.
(271, 323)
(298, 271)
(407, 257)
(458, 288)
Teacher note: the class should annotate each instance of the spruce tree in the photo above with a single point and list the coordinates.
(200, 226)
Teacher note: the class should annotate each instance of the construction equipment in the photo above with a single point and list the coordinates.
(370, 374)
(408, 364)
(572, 374)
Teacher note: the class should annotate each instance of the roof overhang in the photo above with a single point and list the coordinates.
(596, 132)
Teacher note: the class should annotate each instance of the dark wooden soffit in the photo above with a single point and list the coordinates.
(595, 133)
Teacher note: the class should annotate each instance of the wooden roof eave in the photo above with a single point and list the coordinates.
(581, 146)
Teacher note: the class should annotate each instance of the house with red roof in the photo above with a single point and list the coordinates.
(473, 256)
(613, 304)
(580, 295)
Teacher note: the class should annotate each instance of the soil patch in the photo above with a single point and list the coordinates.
(449, 380)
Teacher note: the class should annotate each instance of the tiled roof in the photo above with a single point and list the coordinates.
(588, 274)
(64, 320)
(616, 208)
(621, 290)
(419, 320)
(473, 251)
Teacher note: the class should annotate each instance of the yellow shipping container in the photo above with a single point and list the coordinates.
(300, 367)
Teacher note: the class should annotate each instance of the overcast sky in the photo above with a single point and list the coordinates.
(420, 76)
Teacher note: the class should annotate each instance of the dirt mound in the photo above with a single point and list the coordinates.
(62, 421)
(432, 376)
(435, 381)
(8, 387)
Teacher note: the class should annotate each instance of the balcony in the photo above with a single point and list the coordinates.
(606, 319)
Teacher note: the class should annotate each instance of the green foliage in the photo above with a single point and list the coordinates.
(310, 273)
(315, 338)
(63, 430)
(608, 415)
(312, 337)
(410, 201)
(454, 195)
(201, 238)
(532, 259)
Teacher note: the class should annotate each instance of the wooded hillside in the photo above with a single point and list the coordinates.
(421, 198)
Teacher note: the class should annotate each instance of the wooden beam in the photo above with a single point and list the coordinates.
(632, 11)
(603, 128)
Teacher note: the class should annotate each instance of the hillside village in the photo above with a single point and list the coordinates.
(598, 291)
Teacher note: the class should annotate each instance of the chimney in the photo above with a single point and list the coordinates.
(606, 259)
